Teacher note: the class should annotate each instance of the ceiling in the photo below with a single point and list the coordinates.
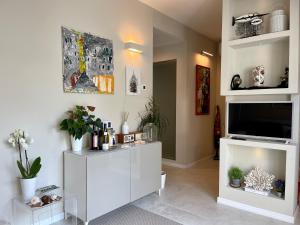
(203, 16)
(161, 38)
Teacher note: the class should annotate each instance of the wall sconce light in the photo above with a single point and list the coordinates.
(133, 47)
(205, 53)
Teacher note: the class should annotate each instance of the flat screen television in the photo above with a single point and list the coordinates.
(271, 120)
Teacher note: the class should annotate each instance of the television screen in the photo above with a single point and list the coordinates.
(272, 120)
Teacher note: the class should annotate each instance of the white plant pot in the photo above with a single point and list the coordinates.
(125, 128)
(76, 144)
(28, 187)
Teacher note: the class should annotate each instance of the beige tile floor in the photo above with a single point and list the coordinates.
(190, 198)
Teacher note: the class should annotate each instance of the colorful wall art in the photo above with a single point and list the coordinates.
(133, 81)
(202, 90)
(87, 63)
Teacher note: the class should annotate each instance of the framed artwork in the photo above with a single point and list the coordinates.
(133, 81)
(202, 92)
(87, 63)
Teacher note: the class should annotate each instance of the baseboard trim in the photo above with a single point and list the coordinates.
(173, 163)
(56, 218)
(259, 211)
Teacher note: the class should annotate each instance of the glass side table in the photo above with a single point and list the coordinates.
(63, 211)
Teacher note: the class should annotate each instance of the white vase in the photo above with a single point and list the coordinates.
(76, 144)
(125, 128)
(28, 187)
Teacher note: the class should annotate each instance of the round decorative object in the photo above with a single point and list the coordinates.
(236, 82)
(258, 76)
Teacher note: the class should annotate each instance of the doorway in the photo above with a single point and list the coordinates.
(164, 93)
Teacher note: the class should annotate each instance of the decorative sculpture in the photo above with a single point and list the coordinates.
(248, 25)
(258, 76)
(284, 80)
(236, 82)
(259, 180)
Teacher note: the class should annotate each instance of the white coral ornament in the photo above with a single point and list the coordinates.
(259, 180)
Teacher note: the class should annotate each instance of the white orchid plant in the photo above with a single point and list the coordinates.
(20, 140)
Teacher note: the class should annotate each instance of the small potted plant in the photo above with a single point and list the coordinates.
(235, 175)
(279, 188)
(79, 123)
(20, 140)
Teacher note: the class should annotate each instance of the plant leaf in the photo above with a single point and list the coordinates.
(35, 167)
(22, 169)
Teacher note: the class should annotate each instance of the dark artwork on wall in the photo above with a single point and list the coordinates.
(87, 63)
(202, 94)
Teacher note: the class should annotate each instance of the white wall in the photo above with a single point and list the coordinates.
(31, 90)
(194, 134)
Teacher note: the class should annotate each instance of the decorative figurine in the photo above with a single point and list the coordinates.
(284, 80)
(217, 132)
(248, 25)
(258, 76)
(236, 81)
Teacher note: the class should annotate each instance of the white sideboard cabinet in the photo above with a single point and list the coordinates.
(104, 181)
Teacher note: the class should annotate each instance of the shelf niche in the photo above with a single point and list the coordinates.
(242, 7)
(247, 158)
(274, 158)
(274, 57)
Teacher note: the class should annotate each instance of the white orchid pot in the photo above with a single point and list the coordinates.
(76, 144)
(28, 187)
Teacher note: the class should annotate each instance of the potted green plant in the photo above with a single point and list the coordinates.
(78, 123)
(20, 140)
(152, 117)
(235, 175)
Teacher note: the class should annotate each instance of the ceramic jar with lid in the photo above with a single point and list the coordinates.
(278, 21)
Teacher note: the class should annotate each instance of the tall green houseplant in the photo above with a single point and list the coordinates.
(152, 115)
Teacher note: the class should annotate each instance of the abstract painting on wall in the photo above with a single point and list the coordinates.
(87, 63)
(202, 90)
(133, 81)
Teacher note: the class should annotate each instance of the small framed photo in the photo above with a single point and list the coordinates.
(133, 81)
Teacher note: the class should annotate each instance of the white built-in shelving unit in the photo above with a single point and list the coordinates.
(279, 158)
(275, 51)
